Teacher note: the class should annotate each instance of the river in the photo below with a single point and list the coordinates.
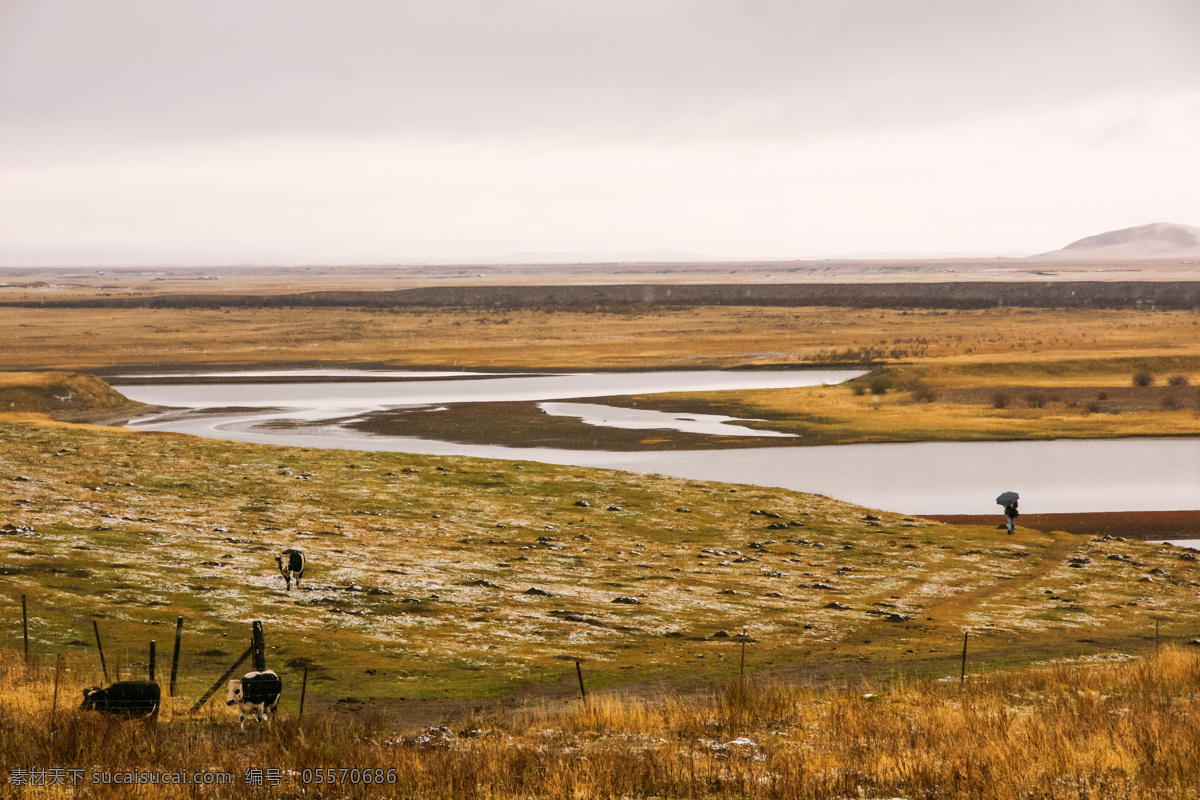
(1060, 476)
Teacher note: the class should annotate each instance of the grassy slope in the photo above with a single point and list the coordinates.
(64, 394)
(136, 528)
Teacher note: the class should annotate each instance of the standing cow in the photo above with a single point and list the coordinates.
(256, 693)
(291, 565)
(124, 698)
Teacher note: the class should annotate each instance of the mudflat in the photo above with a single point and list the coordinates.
(1150, 526)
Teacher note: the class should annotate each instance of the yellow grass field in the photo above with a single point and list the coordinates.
(1101, 730)
(94, 339)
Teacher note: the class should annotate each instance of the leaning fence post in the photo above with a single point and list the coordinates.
(220, 680)
(100, 647)
(175, 660)
(25, 627)
(303, 689)
(579, 673)
(152, 659)
(1156, 638)
(962, 676)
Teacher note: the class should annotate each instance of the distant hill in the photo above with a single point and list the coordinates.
(1157, 240)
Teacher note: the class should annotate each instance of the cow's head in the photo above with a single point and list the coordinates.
(235, 692)
(90, 697)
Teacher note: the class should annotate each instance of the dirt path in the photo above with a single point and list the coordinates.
(954, 608)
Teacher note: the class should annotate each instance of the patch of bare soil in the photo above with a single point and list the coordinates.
(1145, 525)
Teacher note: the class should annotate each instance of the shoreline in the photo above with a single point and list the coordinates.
(1151, 526)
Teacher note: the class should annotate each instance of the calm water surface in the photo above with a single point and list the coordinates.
(925, 478)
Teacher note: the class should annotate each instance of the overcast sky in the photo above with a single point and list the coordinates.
(295, 131)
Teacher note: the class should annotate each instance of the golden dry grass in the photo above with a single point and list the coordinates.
(1093, 730)
(836, 415)
(89, 339)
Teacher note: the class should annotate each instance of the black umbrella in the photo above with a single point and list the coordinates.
(1008, 498)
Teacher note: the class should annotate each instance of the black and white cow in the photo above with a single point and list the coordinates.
(126, 698)
(256, 693)
(291, 564)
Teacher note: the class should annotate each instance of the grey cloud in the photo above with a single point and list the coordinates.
(141, 69)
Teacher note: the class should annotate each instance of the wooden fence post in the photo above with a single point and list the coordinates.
(579, 674)
(175, 660)
(259, 647)
(152, 659)
(962, 676)
(303, 689)
(100, 647)
(25, 627)
(54, 707)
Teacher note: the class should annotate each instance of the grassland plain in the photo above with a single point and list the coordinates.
(634, 337)
(453, 578)
(417, 609)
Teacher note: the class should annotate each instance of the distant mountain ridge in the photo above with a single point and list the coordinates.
(1157, 240)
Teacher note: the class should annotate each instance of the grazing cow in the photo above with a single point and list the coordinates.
(291, 564)
(257, 693)
(126, 698)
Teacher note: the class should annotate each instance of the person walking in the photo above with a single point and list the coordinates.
(1009, 501)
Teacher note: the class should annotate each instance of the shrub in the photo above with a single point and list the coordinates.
(1178, 380)
(1102, 396)
(880, 384)
(860, 389)
(1169, 404)
(1000, 400)
(1143, 377)
(1036, 400)
(1093, 407)
(923, 393)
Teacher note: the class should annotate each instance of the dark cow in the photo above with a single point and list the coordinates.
(291, 564)
(256, 693)
(126, 698)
